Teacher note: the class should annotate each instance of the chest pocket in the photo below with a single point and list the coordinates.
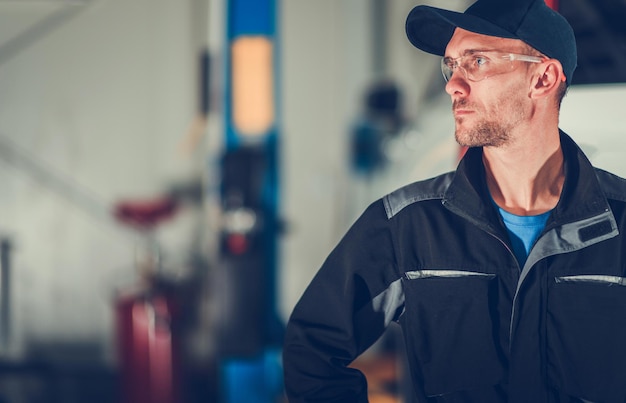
(451, 329)
(586, 337)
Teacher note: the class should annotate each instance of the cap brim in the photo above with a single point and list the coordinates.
(430, 28)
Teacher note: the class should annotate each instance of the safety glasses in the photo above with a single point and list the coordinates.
(477, 65)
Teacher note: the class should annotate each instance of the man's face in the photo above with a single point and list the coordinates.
(486, 112)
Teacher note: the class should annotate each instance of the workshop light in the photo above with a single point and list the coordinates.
(252, 85)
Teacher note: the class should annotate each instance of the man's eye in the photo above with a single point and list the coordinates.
(480, 61)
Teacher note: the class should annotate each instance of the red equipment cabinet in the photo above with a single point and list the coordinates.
(147, 346)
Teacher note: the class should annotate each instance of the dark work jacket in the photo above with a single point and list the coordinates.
(435, 257)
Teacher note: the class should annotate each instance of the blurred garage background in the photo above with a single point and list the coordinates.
(173, 173)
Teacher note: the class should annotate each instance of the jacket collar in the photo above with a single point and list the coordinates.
(582, 196)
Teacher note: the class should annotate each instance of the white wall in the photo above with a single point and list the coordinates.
(594, 116)
(101, 102)
(325, 66)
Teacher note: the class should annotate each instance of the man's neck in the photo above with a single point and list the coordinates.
(526, 178)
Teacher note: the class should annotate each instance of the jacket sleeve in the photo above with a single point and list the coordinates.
(343, 311)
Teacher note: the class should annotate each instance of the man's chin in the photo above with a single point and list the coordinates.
(463, 140)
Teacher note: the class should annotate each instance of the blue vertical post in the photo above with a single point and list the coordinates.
(252, 336)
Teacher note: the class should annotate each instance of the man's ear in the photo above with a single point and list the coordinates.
(547, 79)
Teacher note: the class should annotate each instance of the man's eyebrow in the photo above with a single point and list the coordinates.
(471, 52)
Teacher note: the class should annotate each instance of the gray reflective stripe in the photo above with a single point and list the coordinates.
(387, 302)
(592, 278)
(567, 239)
(415, 192)
(417, 274)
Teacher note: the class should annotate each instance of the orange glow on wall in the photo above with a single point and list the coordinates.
(252, 85)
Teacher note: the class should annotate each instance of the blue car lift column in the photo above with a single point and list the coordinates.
(251, 333)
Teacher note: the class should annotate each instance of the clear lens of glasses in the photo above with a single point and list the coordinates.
(478, 66)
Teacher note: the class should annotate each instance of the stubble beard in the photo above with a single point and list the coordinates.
(486, 132)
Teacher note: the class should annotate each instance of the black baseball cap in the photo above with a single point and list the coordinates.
(532, 21)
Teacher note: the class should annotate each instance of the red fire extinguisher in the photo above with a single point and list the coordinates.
(147, 345)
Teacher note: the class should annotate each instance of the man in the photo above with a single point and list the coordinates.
(507, 276)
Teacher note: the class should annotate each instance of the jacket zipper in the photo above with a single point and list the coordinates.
(486, 228)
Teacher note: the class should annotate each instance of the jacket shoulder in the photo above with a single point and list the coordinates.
(614, 187)
(429, 189)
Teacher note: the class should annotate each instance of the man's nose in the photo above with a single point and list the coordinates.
(457, 84)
